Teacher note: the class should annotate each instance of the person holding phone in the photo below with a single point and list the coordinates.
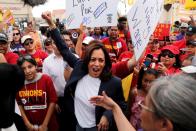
(168, 60)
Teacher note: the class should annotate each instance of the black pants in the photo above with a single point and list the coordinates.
(61, 116)
(79, 128)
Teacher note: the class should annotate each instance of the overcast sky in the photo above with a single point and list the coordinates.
(50, 5)
(60, 4)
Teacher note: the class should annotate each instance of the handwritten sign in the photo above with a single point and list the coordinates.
(143, 18)
(92, 13)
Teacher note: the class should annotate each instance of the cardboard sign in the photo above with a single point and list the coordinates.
(143, 18)
(92, 13)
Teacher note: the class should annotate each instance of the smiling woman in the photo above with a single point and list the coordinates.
(90, 77)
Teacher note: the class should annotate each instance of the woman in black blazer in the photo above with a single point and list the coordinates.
(95, 67)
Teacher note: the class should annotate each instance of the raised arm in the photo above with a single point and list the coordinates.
(61, 45)
(79, 42)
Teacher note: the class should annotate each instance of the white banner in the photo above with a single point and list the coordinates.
(143, 18)
(92, 13)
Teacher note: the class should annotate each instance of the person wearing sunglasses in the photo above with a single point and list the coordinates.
(168, 60)
(16, 45)
(48, 46)
(37, 98)
(38, 55)
(5, 55)
(169, 106)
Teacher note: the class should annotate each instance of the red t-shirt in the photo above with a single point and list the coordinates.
(125, 56)
(180, 44)
(39, 57)
(125, 35)
(119, 46)
(11, 57)
(35, 98)
(154, 54)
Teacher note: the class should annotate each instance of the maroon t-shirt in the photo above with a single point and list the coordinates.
(35, 98)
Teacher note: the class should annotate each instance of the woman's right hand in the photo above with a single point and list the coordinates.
(103, 101)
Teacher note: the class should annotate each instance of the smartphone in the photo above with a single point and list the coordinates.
(147, 62)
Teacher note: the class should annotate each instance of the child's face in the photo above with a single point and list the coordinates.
(29, 70)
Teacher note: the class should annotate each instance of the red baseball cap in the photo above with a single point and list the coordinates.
(172, 48)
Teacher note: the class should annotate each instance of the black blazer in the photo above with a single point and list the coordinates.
(112, 87)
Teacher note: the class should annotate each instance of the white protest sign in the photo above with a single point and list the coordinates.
(143, 18)
(92, 13)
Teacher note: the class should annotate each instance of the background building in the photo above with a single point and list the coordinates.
(18, 9)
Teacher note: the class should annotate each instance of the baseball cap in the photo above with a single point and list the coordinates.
(24, 38)
(191, 42)
(191, 68)
(191, 30)
(87, 40)
(184, 25)
(3, 37)
(171, 48)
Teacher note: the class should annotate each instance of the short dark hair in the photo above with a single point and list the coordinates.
(95, 45)
(65, 32)
(121, 19)
(27, 58)
(143, 71)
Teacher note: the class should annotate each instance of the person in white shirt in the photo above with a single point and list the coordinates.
(59, 71)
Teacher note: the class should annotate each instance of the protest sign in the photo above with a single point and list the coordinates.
(143, 18)
(92, 13)
(8, 17)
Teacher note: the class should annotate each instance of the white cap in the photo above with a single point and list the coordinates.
(24, 38)
(185, 25)
(191, 68)
(87, 40)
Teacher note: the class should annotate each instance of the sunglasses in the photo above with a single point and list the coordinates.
(28, 42)
(164, 54)
(16, 34)
(145, 107)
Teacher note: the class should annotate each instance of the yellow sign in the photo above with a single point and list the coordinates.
(8, 17)
(1, 15)
(126, 84)
(189, 4)
(168, 2)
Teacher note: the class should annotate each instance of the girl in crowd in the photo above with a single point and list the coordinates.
(146, 76)
(37, 98)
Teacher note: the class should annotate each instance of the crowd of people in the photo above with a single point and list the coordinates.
(72, 80)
